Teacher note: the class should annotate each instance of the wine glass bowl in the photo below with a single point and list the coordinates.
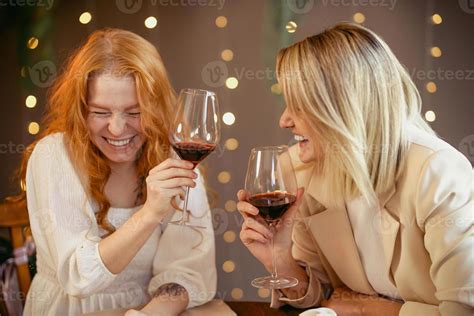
(194, 132)
(271, 187)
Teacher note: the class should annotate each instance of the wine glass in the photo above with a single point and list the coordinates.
(271, 187)
(194, 132)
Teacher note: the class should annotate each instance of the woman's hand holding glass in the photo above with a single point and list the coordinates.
(164, 183)
(256, 234)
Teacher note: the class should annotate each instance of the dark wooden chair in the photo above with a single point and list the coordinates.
(14, 217)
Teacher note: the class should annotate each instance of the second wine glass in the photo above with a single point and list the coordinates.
(194, 132)
(271, 185)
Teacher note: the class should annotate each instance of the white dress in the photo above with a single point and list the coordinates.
(71, 277)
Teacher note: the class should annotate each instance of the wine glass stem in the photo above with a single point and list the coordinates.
(184, 218)
(274, 267)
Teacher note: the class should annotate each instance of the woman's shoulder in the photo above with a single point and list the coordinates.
(50, 152)
(50, 144)
(428, 152)
(423, 146)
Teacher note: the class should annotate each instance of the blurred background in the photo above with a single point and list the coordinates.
(229, 46)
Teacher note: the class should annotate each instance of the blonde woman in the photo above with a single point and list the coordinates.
(386, 220)
(99, 183)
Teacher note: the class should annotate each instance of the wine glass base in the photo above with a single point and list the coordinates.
(186, 224)
(269, 282)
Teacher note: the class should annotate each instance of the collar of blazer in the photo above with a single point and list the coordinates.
(331, 228)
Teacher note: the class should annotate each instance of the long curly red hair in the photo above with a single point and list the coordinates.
(121, 53)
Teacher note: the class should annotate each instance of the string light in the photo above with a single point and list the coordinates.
(221, 21)
(359, 18)
(230, 206)
(237, 293)
(228, 266)
(228, 118)
(430, 116)
(32, 43)
(436, 51)
(223, 177)
(30, 101)
(33, 128)
(431, 87)
(85, 18)
(231, 144)
(227, 55)
(151, 22)
(436, 19)
(276, 88)
(263, 293)
(231, 83)
(229, 236)
(291, 27)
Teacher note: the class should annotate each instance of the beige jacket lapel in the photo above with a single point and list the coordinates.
(332, 230)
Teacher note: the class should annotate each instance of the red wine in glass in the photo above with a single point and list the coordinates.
(272, 205)
(192, 151)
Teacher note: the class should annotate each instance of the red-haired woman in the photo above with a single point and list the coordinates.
(99, 182)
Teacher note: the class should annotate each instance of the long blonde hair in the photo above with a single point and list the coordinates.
(120, 53)
(359, 99)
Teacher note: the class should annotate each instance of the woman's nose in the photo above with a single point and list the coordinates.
(117, 124)
(285, 120)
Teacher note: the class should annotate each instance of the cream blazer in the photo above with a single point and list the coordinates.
(426, 224)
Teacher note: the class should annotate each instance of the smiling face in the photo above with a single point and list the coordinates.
(308, 144)
(114, 118)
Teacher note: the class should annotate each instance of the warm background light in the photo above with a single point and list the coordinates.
(431, 87)
(30, 101)
(291, 27)
(437, 19)
(430, 116)
(223, 177)
(227, 55)
(231, 144)
(228, 118)
(231, 83)
(359, 18)
(230, 206)
(436, 51)
(221, 22)
(33, 128)
(151, 22)
(33, 42)
(85, 18)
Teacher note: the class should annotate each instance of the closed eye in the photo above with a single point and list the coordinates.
(100, 113)
(133, 114)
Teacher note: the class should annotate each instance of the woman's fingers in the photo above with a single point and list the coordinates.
(242, 195)
(246, 209)
(170, 183)
(174, 173)
(170, 163)
(258, 226)
(248, 236)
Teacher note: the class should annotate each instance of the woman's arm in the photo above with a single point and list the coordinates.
(163, 183)
(444, 212)
(190, 263)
